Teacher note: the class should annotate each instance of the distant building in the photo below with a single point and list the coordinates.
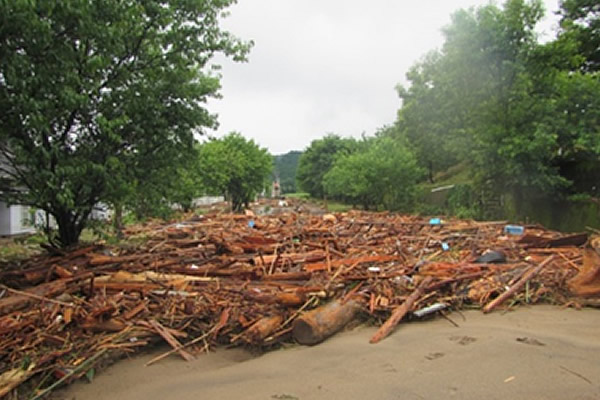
(276, 190)
(101, 212)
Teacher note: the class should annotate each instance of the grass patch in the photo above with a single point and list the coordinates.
(20, 248)
(457, 174)
(298, 195)
(334, 206)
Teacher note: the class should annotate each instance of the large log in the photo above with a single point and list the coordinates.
(400, 311)
(317, 325)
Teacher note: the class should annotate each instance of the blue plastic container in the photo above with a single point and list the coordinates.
(514, 229)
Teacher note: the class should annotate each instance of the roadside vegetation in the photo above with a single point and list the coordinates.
(503, 119)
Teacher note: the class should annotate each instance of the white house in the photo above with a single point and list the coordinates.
(15, 220)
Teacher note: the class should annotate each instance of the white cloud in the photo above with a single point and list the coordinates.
(325, 66)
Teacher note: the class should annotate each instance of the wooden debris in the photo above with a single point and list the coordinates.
(587, 282)
(262, 328)
(12, 378)
(217, 280)
(400, 312)
(317, 325)
(171, 340)
(520, 283)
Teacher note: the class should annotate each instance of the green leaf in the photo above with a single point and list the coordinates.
(90, 374)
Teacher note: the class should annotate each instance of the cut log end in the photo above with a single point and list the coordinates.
(304, 333)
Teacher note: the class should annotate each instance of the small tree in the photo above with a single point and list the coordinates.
(383, 172)
(235, 167)
(317, 159)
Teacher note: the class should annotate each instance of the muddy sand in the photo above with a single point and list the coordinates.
(539, 352)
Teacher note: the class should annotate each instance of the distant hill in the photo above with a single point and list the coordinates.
(285, 168)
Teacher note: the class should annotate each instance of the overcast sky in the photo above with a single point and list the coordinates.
(321, 66)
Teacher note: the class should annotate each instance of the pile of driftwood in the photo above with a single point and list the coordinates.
(222, 279)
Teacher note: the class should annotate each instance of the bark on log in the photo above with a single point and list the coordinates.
(400, 312)
(317, 325)
(262, 328)
(587, 282)
(101, 259)
(520, 283)
(294, 258)
(111, 325)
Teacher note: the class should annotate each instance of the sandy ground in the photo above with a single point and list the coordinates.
(539, 352)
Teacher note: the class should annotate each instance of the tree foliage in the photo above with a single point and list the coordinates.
(580, 22)
(317, 159)
(488, 98)
(98, 94)
(285, 169)
(382, 172)
(235, 167)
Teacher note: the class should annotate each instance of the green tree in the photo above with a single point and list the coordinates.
(573, 116)
(95, 93)
(489, 105)
(235, 167)
(430, 117)
(317, 159)
(580, 21)
(285, 169)
(383, 172)
(177, 182)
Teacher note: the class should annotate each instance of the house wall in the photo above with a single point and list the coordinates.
(101, 212)
(20, 220)
(4, 219)
(40, 219)
(15, 220)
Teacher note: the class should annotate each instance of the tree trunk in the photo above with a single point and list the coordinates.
(70, 226)
(118, 221)
(236, 204)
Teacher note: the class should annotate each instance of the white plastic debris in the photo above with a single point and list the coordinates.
(430, 309)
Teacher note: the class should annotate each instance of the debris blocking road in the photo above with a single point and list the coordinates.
(223, 279)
